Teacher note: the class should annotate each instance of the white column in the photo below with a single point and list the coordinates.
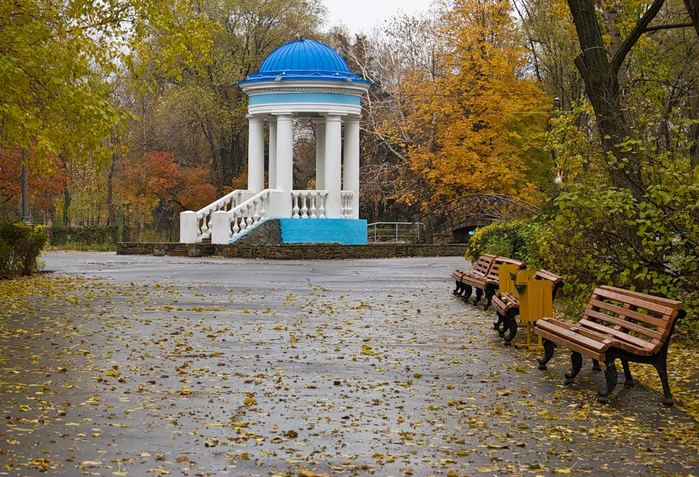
(285, 161)
(350, 179)
(272, 153)
(320, 154)
(256, 154)
(333, 165)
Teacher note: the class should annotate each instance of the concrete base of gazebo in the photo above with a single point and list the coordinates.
(296, 231)
(342, 231)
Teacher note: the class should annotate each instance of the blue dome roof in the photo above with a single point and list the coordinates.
(304, 59)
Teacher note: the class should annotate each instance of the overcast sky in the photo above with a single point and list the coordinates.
(364, 15)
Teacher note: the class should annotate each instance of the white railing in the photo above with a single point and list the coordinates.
(225, 203)
(308, 204)
(229, 225)
(346, 209)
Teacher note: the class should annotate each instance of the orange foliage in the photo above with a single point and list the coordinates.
(43, 191)
(476, 124)
(158, 178)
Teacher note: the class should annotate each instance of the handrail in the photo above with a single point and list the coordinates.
(394, 233)
(248, 214)
(225, 203)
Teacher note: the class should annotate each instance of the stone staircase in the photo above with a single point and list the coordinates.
(179, 250)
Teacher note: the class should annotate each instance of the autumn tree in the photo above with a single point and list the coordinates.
(628, 205)
(43, 190)
(157, 187)
(475, 121)
(56, 62)
(202, 117)
(551, 42)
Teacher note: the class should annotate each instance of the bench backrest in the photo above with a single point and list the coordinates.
(483, 266)
(556, 280)
(637, 318)
(493, 273)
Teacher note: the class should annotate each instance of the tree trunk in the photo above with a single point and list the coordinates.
(66, 207)
(111, 209)
(600, 76)
(693, 10)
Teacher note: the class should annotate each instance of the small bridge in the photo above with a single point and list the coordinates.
(453, 221)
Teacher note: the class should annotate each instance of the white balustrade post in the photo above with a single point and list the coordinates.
(333, 165)
(351, 165)
(220, 227)
(189, 227)
(256, 154)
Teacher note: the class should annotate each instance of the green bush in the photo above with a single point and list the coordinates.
(604, 236)
(20, 247)
(515, 239)
(86, 236)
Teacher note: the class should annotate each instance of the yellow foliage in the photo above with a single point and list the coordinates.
(476, 124)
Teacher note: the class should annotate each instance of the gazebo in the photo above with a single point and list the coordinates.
(301, 79)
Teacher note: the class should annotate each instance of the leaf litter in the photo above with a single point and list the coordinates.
(314, 379)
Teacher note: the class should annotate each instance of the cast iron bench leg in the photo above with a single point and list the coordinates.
(511, 327)
(488, 299)
(610, 375)
(660, 364)
(466, 292)
(628, 379)
(548, 353)
(500, 321)
(576, 359)
(479, 294)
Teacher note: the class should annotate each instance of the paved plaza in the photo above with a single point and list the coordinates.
(141, 365)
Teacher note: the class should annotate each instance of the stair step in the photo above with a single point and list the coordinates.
(180, 250)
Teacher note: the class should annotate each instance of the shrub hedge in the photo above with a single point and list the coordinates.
(20, 247)
(86, 235)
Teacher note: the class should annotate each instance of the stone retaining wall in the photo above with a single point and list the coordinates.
(298, 251)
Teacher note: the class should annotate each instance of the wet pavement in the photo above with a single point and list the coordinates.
(140, 366)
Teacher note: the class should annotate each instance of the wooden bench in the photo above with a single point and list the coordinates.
(481, 269)
(483, 278)
(507, 305)
(617, 324)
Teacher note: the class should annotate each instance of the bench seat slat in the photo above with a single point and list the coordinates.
(597, 352)
(477, 282)
(623, 340)
(559, 330)
(504, 302)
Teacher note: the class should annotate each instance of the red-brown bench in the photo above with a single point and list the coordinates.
(617, 324)
(480, 269)
(483, 278)
(507, 305)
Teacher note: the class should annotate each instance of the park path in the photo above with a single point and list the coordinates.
(139, 365)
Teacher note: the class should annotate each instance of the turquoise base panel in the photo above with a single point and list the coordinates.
(343, 231)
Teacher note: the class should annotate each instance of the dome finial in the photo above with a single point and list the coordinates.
(299, 37)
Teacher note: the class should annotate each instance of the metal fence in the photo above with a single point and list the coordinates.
(394, 231)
